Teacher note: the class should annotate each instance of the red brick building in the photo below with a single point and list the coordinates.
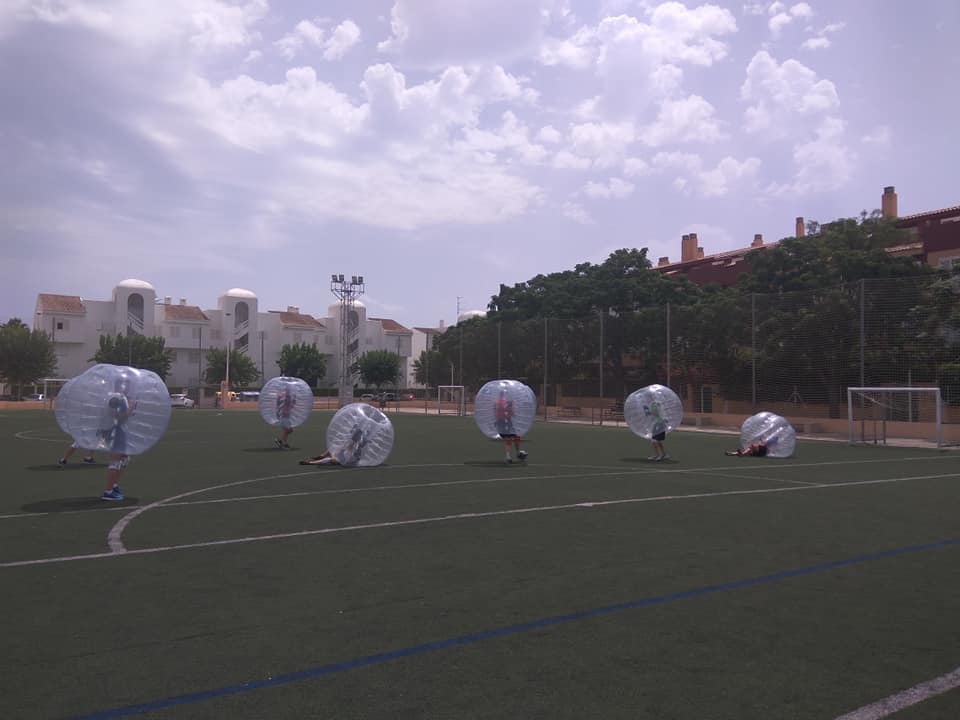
(935, 241)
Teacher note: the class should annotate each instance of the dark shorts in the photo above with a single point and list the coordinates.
(505, 428)
(508, 436)
(118, 444)
(660, 437)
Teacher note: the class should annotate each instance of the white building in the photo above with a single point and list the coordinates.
(423, 338)
(76, 325)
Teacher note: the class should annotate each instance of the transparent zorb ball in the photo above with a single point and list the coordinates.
(504, 408)
(360, 435)
(653, 410)
(773, 430)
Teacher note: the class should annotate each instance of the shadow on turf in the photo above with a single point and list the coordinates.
(74, 504)
(492, 463)
(54, 467)
(271, 449)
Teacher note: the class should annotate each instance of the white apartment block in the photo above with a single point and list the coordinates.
(76, 324)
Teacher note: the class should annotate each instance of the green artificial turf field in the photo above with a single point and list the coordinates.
(587, 583)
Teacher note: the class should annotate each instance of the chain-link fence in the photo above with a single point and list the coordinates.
(792, 353)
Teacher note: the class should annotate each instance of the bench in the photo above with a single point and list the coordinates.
(570, 411)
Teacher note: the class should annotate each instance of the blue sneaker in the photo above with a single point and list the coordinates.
(113, 495)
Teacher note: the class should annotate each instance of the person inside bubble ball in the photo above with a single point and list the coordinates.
(349, 455)
(758, 449)
(114, 433)
(503, 417)
(88, 458)
(658, 431)
(286, 401)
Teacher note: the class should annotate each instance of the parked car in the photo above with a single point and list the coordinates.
(181, 400)
(366, 396)
(408, 396)
(249, 395)
(384, 396)
(35, 396)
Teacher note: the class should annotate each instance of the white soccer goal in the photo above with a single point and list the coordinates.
(879, 415)
(451, 400)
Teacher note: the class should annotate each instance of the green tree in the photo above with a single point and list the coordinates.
(843, 251)
(243, 371)
(812, 293)
(379, 367)
(25, 355)
(428, 368)
(303, 361)
(146, 353)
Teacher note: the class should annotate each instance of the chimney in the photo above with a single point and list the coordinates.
(699, 252)
(757, 240)
(183, 301)
(688, 247)
(800, 232)
(665, 260)
(167, 300)
(440, 326)
(888, 203)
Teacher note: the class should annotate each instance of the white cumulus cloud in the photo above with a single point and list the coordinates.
(614, 188)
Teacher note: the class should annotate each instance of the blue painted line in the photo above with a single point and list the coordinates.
(472, 638)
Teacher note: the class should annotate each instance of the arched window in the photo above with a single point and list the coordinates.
(241, 314)
(135, 306)
(135, 313)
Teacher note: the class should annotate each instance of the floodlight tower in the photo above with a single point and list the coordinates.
(347, 290)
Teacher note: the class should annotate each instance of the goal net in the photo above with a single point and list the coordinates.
(451, 400)
(894, 415)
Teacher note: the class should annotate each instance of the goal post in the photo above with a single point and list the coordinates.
(876, 415)
(451, 400)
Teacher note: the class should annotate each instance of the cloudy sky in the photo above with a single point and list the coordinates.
(442, 147)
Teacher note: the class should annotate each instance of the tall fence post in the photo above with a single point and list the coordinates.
(753, 350)
(669, 374)
(863, 332)
(601, 365)
(499, 325)
(546, 322)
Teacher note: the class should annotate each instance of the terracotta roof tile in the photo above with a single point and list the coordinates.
(294, 319)
(391, 325)
(71, 304)
(184, 313)
(954, 210)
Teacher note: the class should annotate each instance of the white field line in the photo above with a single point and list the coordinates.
(462, 516)
(906, 698)
(22, 436)
(748, 477)
(168, 502)
(115, 536)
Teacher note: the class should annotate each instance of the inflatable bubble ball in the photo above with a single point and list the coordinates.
(285, 401)
(62, 406)
(653, 410)
(772, 429)
(360, 435)
(117, 409)
(503, 408)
